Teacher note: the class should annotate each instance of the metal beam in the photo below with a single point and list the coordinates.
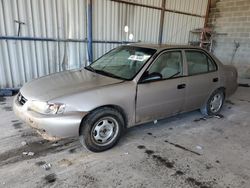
(158, 8)
(161, 21)
(61, 40)
(41, 39)
(90, 36)
(207, 13)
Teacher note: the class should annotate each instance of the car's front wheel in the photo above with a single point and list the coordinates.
(102, 129)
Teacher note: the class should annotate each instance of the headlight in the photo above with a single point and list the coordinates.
(47, 108)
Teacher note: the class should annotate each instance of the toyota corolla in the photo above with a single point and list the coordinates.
(129, 85)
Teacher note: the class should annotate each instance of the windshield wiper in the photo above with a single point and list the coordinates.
(174, 75)
(90, 68)
(108, 74)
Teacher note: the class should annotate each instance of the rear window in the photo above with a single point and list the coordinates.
(199, 62)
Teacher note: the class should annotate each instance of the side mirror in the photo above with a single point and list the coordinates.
(154, 76)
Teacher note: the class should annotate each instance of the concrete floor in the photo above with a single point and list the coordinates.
(182, 151)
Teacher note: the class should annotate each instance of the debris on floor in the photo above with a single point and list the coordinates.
(30, 153)
(199, 147)
(64, 163)
(204, 118)
(55, 144)
(23, 143)
(219, 116)
(44, 165)
(47, 166)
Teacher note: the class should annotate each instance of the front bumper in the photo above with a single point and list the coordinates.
(50, 127)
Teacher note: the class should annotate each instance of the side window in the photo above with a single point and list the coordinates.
(168, 65)
(198, 63)
(211, 65)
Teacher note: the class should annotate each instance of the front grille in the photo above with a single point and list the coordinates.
(21, 99)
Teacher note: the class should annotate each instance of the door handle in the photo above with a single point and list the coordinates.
(215, 79)
(181, 86)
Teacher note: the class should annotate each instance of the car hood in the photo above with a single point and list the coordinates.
(64, 83)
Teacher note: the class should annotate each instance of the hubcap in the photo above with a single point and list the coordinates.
(105, 131)
(216, 103)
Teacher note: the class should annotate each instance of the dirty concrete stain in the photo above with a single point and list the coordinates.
(40, 148)
(200, 119)
(2, 99)
(243, 100)
(230, 102)
(17, 125)
(182, 147)
(179, 173)
(51, 178)
(221, 131)
(7, 108)
(163, 161)
(160, 160)
(141, 147)
(73, 150)
(29, 134)
(87, 180)
(195, 183)
(208, 166)
(40, 163)
(149, 152)
(217, 161)
(14, 121)
(2, 103)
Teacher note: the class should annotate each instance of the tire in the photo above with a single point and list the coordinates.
(102, 129)
(214, 104)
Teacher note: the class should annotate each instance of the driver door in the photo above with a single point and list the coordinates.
(162, 97)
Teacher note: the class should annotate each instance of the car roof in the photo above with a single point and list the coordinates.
(162, 46)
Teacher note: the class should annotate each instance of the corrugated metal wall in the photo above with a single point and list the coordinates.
(177, 26)
(21, 61)
(110, 18)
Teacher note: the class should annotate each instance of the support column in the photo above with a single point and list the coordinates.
(161, 21)
(207, 13)
(89, 31)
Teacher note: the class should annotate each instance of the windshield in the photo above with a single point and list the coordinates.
(123, 62)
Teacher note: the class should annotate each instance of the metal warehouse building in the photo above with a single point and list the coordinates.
(125, 93)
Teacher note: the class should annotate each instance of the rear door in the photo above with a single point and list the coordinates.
(202, 78)
(164, 97)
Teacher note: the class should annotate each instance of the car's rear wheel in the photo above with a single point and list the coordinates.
(102, 129)
(214, 103)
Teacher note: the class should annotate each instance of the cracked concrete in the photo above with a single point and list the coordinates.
(182, 151)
